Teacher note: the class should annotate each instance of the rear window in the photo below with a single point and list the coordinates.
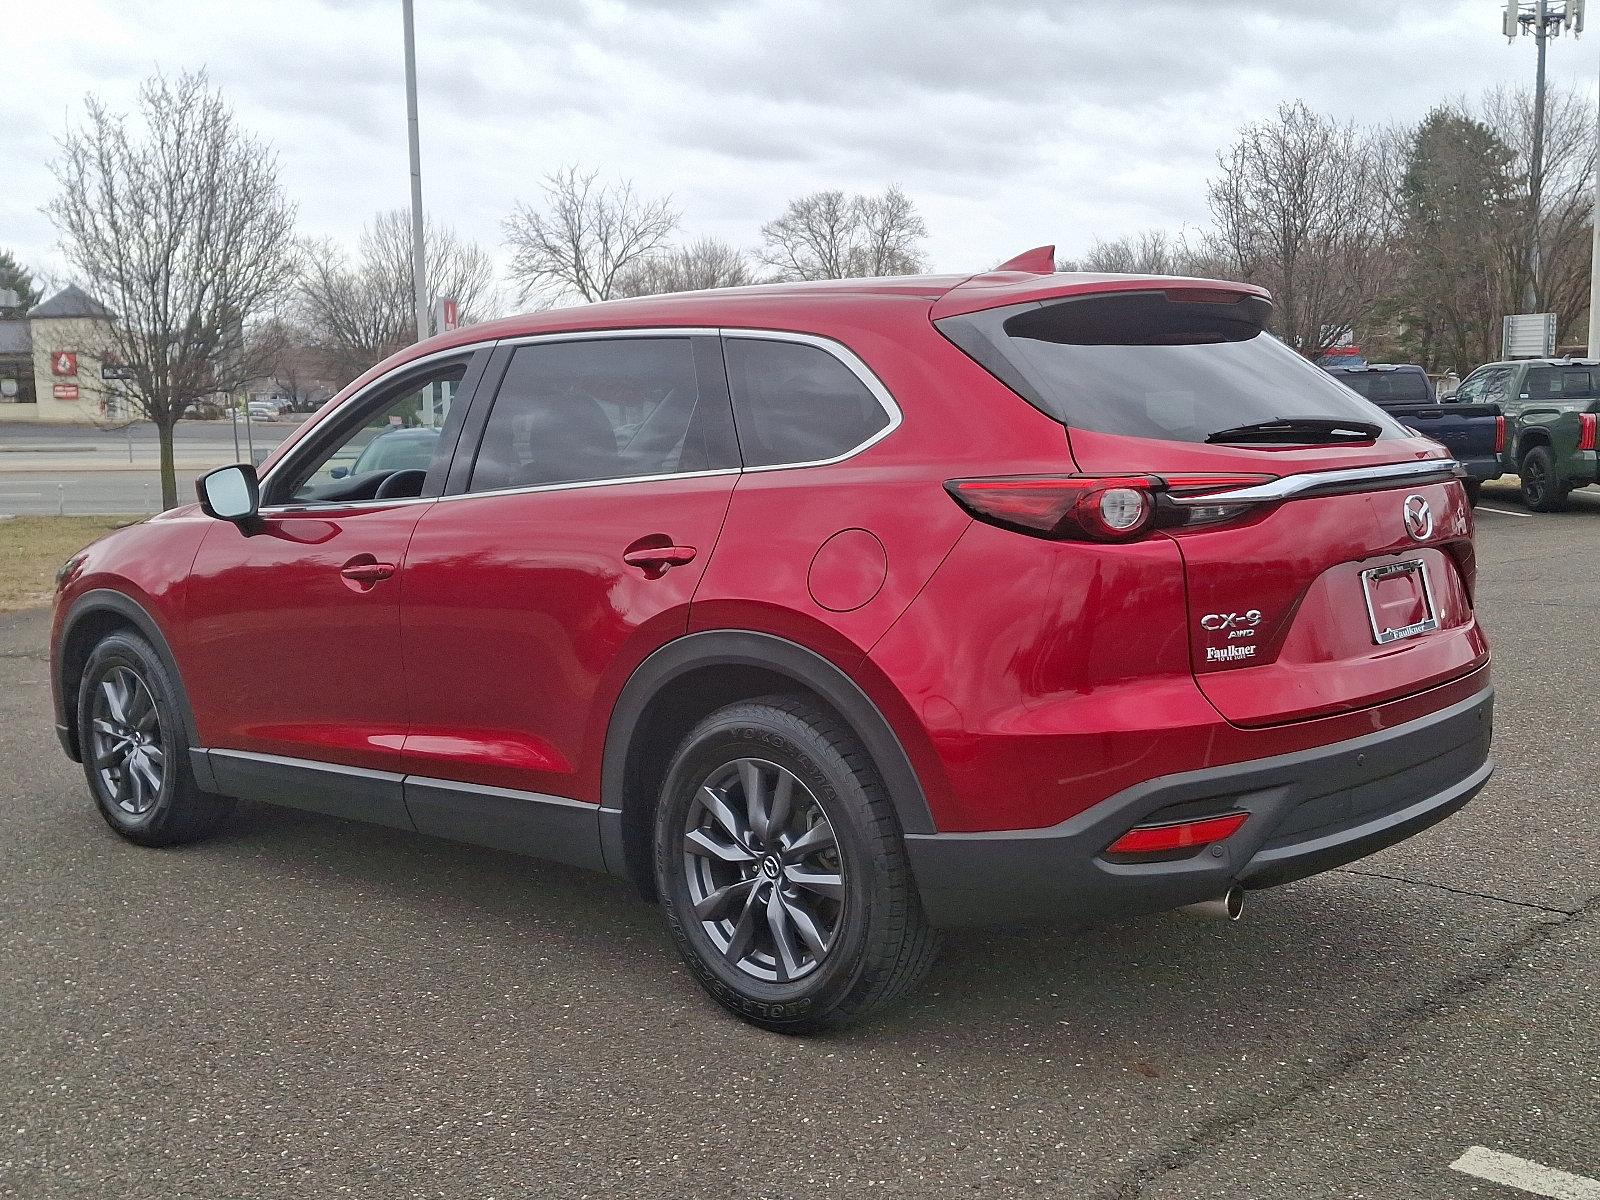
(1387, 387)
(1142, 364)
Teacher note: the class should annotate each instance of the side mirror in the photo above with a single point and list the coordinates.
(230, 493)
(339, 472)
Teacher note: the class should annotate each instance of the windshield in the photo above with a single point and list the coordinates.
(1388, 387)
(1159, 365)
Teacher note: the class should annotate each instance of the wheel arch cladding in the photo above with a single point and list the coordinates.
(692, 677)
(92, 617)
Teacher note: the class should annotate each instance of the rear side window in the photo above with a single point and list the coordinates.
(797, 403)
(1557, 383)
(612, 408)
(1387, 387)
(1142, 364)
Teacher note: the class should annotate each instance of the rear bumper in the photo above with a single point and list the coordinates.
(1482, 469)
(1310, 811)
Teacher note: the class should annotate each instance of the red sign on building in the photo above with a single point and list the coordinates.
(64, 362)
(66, 391)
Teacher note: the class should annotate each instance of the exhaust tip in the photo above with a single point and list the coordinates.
(1227, 907)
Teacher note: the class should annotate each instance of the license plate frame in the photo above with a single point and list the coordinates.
(1386, 636)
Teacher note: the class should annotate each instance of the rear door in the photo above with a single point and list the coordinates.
(1312, 593)
(582, 510)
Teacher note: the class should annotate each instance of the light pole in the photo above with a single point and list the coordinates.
(1543, 19)
(419, 280)
(1594, 260)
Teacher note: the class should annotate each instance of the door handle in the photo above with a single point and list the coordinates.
(657, 559)
(367, 572)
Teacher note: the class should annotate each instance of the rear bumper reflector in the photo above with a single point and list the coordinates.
(1177, 835)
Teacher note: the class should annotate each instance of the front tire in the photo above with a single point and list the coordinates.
(135, 749)
(781, 869)
(1541, 488)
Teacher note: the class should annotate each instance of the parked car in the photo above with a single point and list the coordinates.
(907, 604)
(393, 450)
(1474, 433)
(262, 410)
(1551, 406)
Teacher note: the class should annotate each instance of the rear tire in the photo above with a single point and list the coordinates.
(782, 872)
(1474, 491)
(136, 750)
(1541, 489)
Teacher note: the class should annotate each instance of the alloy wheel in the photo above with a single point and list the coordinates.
(1534, 479)
(129, 753)
(765, 877)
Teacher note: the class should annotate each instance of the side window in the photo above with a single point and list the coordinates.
(612, 408)
(795, 403)
(1540, 383)
(1471, 388)
(386, 453)
(1494, 386)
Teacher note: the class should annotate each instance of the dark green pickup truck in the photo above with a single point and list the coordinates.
(1551, 407)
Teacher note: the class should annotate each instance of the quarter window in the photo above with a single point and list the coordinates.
(796, 403)
(612, 408)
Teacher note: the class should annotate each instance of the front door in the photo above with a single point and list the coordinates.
(293, 633)
(570, 549)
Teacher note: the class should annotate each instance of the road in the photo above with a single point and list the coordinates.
(81, 470)
(304, 1007)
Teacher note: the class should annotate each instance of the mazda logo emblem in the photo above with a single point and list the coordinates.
(1419, 518)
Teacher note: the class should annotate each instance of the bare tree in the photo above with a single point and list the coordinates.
(362, 310)
(706, 263)
(182, 228)
(1566, 200)
(1154, 252)
(830, 235)
(584, 236)
(1298, 206)
(295, 359)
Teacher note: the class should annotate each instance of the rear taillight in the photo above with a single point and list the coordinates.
(1499, 435)
(1586, 430)
(1177, 835)
(1104, 508)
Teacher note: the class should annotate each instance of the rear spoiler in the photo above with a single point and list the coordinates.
(1031, 277)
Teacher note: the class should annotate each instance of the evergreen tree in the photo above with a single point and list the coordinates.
(15, 277)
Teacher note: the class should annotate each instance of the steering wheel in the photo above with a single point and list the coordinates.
(401, 484)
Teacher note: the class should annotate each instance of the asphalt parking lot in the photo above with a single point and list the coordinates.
(305, 1008)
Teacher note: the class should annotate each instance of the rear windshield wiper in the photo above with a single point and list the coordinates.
(1308, 430)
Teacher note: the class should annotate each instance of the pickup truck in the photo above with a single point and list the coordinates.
(1472, 431)
(1552, 406)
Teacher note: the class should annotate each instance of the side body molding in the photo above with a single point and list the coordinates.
(624, 831)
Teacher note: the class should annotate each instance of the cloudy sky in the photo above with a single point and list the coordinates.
(1011, 124)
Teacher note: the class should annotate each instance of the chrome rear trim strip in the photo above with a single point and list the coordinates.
(1347, 479)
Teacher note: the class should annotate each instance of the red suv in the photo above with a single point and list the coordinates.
(828, 614)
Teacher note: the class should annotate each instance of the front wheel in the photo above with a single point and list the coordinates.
(1541, 488)
(781, 870)
(135, 750)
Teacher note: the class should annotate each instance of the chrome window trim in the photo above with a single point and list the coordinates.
(847, 357)
(582, 483)
(1291, 486)
(851, 361)
(467, 351)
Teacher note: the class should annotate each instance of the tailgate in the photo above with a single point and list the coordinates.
(1328, 603)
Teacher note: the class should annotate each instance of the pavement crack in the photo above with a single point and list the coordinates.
(1441, 887)
(1424, 1007)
